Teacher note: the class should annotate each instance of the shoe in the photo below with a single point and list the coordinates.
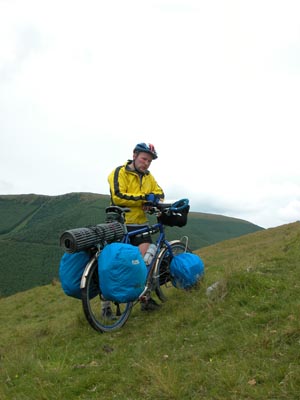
(149, 305)
(108, 314)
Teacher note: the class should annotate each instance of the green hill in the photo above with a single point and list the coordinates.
(239, 343)
(32, 224)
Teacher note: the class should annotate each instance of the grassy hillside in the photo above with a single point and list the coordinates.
(239, 343)
(206, 229)
(32, 224)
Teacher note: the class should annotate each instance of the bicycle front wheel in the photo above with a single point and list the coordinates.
(102, 316)
(162, 273)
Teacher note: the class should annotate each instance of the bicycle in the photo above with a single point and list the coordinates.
(158, 271)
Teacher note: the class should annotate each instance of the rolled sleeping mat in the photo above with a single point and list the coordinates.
(75, 240)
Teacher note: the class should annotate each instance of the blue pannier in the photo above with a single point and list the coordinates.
(71, 268)
(122, 272)
(186, 270)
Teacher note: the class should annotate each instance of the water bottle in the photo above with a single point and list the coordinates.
(148, 257)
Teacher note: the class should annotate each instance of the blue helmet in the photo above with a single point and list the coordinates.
(145, 148)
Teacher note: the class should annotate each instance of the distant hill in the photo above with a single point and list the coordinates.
(31, 226)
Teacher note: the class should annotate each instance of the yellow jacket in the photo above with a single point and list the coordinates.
(129, 188)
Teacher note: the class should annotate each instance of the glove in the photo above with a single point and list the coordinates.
(152, 198)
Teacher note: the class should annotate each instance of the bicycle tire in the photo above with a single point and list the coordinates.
(92, 304)
(162, 275)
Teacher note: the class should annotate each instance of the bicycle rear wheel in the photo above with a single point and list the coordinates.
(101, 321)
(162, 274)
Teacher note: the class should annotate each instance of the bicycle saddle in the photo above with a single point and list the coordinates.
(117, 209)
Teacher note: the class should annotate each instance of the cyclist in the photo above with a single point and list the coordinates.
(132, 185)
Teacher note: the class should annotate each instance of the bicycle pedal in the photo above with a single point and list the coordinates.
(143, 299)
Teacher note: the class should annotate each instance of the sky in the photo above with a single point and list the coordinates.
(213, 84)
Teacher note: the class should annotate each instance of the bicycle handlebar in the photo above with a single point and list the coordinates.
(177, 206)
(117, 213)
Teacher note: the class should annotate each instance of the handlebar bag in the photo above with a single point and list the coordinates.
(122, 272)
(71, 268)
(175, 218)
(186, 270)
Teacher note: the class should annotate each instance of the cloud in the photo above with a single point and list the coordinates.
(214, 85)
(6, 187)
(291, 211)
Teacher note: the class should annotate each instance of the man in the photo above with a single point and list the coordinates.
(132, 185)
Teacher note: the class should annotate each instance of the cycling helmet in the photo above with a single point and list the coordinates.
(146, 148)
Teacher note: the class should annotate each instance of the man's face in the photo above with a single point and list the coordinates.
(142, 161)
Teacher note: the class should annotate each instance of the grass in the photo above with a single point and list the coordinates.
(240, 342)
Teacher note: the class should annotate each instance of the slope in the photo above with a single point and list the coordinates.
(240, 342)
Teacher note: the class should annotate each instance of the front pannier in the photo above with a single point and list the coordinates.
(186, 270)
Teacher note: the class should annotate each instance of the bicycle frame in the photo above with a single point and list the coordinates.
(161, 241)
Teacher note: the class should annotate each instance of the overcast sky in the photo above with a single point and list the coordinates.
(213, 84)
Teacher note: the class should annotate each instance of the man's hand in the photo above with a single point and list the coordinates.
(152, 198)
